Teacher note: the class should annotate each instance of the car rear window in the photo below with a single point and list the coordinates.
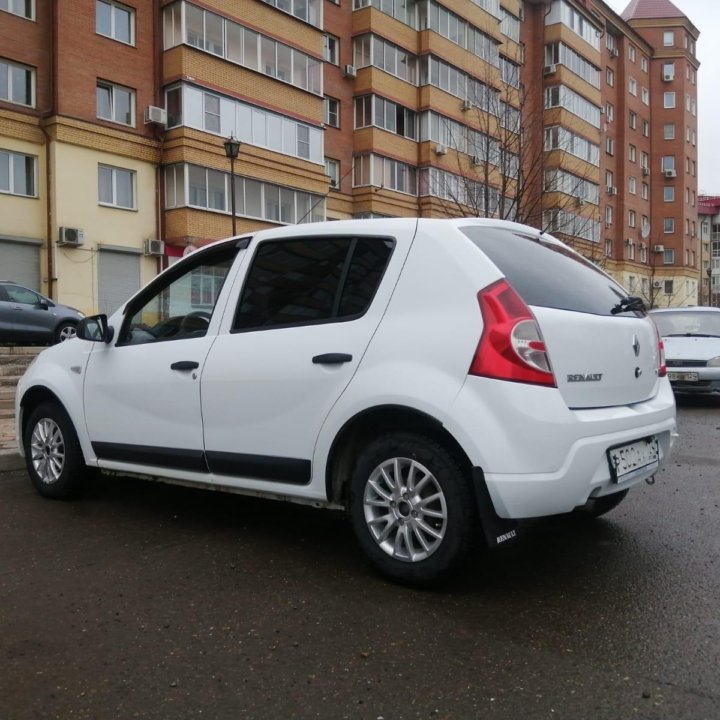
(545, 274)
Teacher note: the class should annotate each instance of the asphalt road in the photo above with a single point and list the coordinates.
(150, 601)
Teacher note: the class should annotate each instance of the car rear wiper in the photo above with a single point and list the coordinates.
(628, 304)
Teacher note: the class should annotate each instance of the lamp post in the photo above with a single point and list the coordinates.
(232, 150)
(709, 274)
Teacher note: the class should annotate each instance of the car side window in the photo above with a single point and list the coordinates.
(181, 304)
(22, 295)
(311, 280)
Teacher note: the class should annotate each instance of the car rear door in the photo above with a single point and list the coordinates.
(601, 354)
(32, 318)
(307, 310)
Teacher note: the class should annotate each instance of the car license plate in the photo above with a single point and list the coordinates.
(682, 376)
(628, 461)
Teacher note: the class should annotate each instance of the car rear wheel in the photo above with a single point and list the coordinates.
(53, 456)
(65, 331)
(411, 507)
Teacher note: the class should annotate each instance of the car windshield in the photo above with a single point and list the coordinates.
(703, 324)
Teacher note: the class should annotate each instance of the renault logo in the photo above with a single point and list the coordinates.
(636, 345)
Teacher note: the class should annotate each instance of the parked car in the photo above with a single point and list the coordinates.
(29, 317)
(691, 336)
(438, 379)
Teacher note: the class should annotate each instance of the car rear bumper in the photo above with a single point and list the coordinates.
(557, 458)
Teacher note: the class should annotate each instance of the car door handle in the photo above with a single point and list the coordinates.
(185, 365)
(332, 359)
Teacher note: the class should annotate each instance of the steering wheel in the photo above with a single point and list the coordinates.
(196, 320)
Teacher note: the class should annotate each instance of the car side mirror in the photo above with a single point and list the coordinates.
(41, 305)
(95, 328)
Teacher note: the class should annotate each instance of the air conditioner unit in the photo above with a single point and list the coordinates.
(614, 52)
(550, 69)
(657, 283)
(646, 171)
(350, 71)
(602, 110)
(71, 236)
(668, 78)
(154, 247)
(611, 190)
(670, 173)
(440, 149)
(156, 115)
(466, 105)
(658, 248)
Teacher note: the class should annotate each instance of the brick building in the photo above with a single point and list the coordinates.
(559, 113)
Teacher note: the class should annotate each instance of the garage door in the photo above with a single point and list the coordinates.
(20, 262)
(118, 279)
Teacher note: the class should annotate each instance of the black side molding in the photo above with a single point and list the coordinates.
(176, 458)
(260, 467)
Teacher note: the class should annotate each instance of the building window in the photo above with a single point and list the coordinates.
(17, 173)
(632, 218)
(332, 168)
(646, 128)
(332, 112)
(668, 287)
(644, 64)
(17, 83)
(609, 112)
(668, 227)
(608, 248)
(331, 49)
(116, 103)
(114, 21)
(632, 86)
(645, 95)
(645, 191)
(609, 146)
(669, 100)
(632, 186)
(667, 162)
(116, 187)
(668, 38)
(669, 193)
(632, 153)
(309, 12)
(631, 53)
(608, 215)
(668, 71)
(633, 120)
(669, 131)
(610, 77)
(23, 8)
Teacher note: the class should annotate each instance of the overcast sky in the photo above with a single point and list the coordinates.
(705, 15)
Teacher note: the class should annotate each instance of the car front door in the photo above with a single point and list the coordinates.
(305, 316)
(142, 391)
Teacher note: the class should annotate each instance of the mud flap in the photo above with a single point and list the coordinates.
(497, 530)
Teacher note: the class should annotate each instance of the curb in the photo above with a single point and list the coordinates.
(11, 461)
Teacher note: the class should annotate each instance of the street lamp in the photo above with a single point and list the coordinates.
(232, 150)
(709, 274)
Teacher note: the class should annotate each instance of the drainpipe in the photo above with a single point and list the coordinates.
(51, 279)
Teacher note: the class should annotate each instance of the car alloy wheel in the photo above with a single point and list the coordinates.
(405, 509)
(47, 447)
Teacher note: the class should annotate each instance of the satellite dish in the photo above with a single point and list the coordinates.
(645, 231)
(189, 249)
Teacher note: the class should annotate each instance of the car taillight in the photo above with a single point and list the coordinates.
(511, 346)
(662, 367)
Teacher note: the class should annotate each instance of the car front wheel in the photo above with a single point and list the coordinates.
(65, 331)
(411, 507)
(53, 456)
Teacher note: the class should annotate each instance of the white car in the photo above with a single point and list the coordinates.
(438, 379)
(691, 336)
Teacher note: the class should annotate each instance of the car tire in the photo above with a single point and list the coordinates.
(595, 507)
(64, 331)
(53, 456)
(412, 509)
